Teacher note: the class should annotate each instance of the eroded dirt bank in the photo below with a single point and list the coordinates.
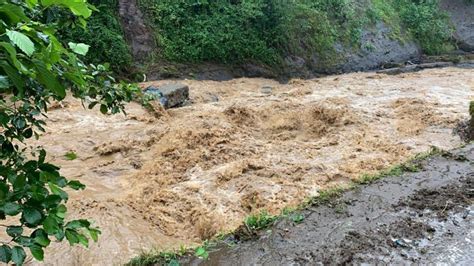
(424, 217)
(199, 170)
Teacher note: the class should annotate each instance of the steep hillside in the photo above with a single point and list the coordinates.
(462, 17)
(221, 39)
(138, 35)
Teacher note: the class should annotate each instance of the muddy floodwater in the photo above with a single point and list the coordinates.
(418, 218)
(165, 179)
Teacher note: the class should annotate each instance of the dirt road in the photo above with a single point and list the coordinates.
(425, 217)
(179, 178)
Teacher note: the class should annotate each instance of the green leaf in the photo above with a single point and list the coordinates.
(58, 191)
(4, 188)
(104, 109)
(201, 252)
(13, 12)
(11, 208)
(13, 58)
(41, 238)
(4, 82)
(59, 235)
(19, 122)
(18, 255)
(31, 3)
(28, 133)
(79, 48)
(92, 105)
(42, 156)
(70, 156)
(72, 237)
(61, 211)
(14, 76)
(48, 167)
(50, 225)
(21, 41)
(49, 80)
(14, 231)
(5, 253)
(83, 240)
(94, 233)
(19, 183)
(24, 241)
(78, 224)
(76, 185)
(77, 7)
(32, 216)
(37, 252)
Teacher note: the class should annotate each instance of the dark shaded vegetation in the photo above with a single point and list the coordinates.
(235, 31)
(37, 68)
(105, 36)
(261, 31)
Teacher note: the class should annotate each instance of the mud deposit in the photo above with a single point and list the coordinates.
(166, 179)
(425, 217)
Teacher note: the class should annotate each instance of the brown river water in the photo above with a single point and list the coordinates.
(165, 179)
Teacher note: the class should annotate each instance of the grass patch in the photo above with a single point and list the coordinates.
(260, 221)
(410, 166)
(152, 258)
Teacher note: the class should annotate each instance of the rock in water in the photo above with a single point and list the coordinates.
(465, 129)
(170, 95)
(471, 122)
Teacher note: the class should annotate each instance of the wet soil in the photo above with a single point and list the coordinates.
(425, 217)
(169, 178)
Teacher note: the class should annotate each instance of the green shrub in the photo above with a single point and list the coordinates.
(261, 31)
(211, 30)
(427, 23)
(233, 31)
(105, 36)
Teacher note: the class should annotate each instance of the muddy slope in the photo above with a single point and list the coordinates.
(138, 35)
(378, 49)
(425, 217)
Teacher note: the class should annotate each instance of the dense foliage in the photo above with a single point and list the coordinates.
(104, 34)
(260, 30)
(35, 68)
(266, 31)
(428, 24)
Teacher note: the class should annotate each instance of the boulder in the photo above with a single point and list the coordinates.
(170, 95)
(465, 129)
(471, 122)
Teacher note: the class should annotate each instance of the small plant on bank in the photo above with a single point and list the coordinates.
(202, 253)
(260, 221)
(152, 258)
